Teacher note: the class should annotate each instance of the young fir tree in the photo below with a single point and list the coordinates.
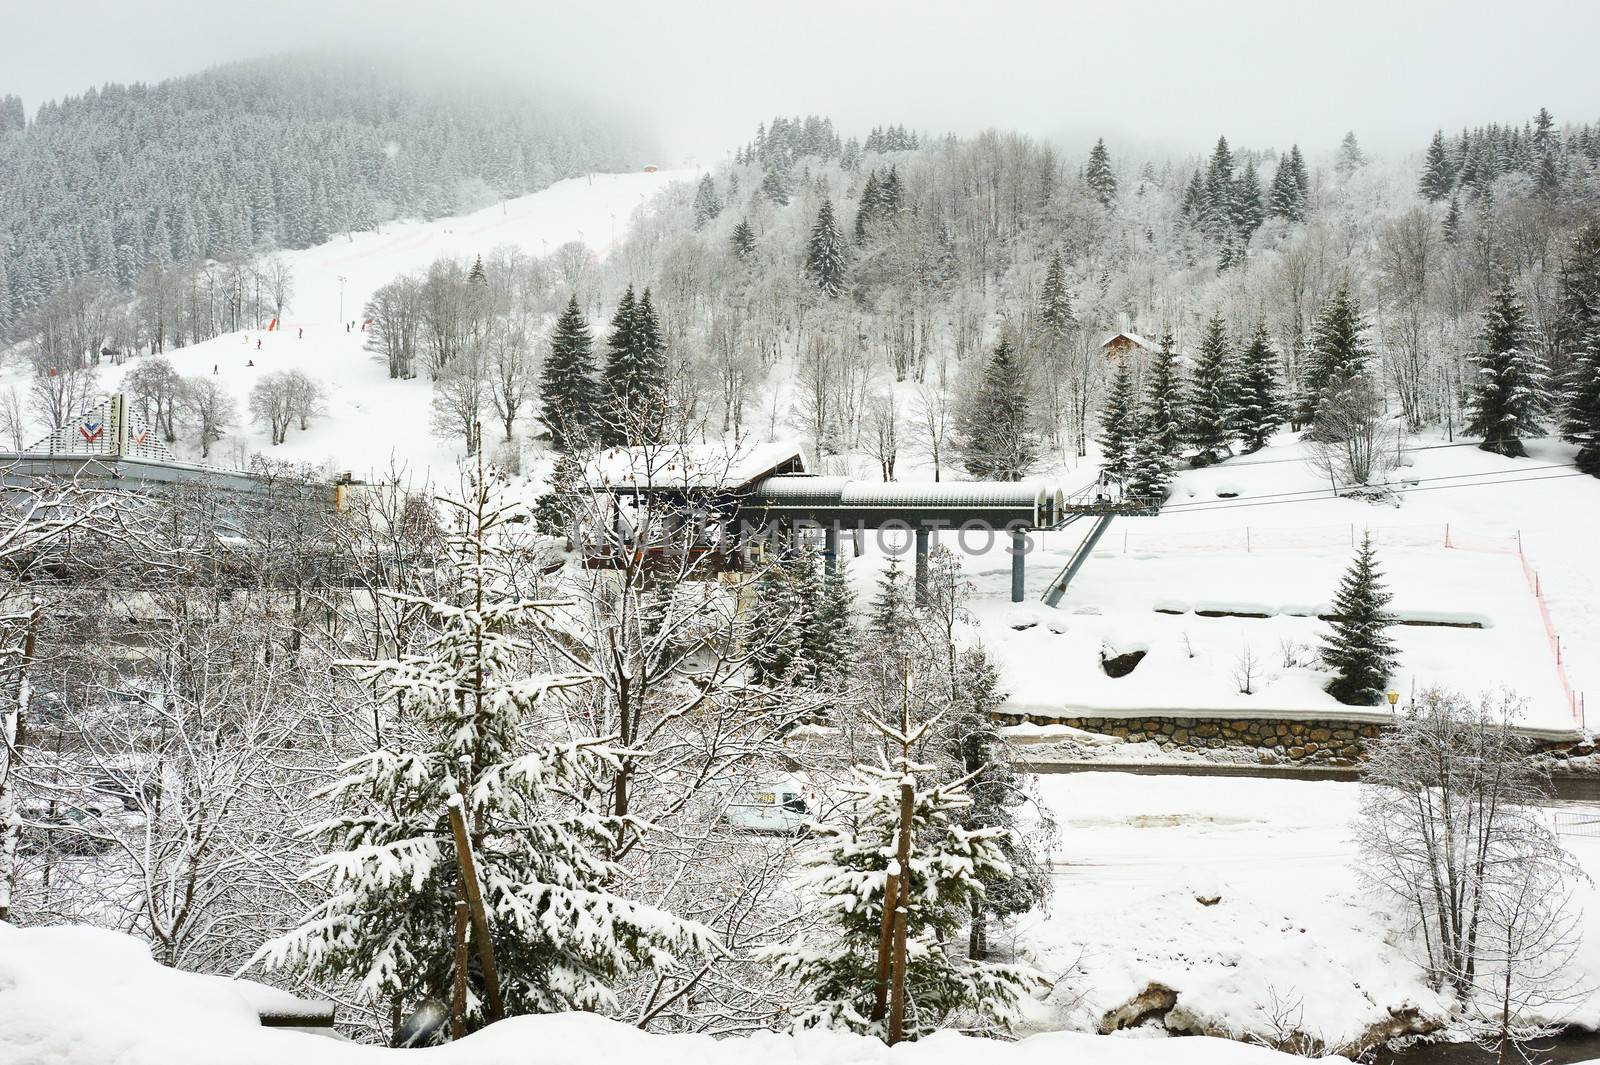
(1098, 175)
(994, 431)
(1163, 403)
(890, 617)
(1507, 398)
(1338, 350)
(1260, 397)
(1213, 400)
(836, 963)
(825, 252)
(1438, 179)
(706, 204)
(569, 396)
(1119, 424)
(468, 694)
(1358, 649)
(744, 240)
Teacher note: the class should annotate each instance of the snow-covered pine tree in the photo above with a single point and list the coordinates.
(1358, 648)
(867, 210)
(1507, 398)
(1248, 212)
(1218, 212)
(1338, 350)
(1260, 396)
(776, 621)
(1302, 178)
(833, 643)
(836, 963)
(775, 188)
(1351, 157)
(1283, 195)
(569, 395)
(1580, 423)
(468, 693)
(1438, 179)
(825, 253)
(997, 795)
(1194, 198)
(890, 616)
(1098, 175)
(706, 204)
(1119, 424)
(1213, 398)
(744, 240)
(1163, 402)
(1056, 317)
(636, 373)
(1451, 226)
(994, 431)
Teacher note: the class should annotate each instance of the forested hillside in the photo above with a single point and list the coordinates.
(895, 296)
(278, 152)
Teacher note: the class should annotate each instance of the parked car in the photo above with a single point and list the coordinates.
(779, 806)
(132, 793)
(64, 828)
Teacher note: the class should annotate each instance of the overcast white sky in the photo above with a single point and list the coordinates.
(1142, 73)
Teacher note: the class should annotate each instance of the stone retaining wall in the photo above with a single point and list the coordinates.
(1326, 742)
(1330, 742)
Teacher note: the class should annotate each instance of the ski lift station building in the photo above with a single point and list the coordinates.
(764, 494)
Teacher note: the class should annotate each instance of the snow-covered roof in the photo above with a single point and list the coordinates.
(1134, 338)
(841, 492)
(718, 466)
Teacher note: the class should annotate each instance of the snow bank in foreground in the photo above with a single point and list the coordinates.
(83, 996)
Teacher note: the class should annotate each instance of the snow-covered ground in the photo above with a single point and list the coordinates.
(1139, 858)
(84, 996)
(1246, 537)
(372, 418)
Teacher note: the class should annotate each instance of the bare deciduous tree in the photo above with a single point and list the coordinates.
(1450, 829)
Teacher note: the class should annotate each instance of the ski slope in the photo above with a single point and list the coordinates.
(371, 419)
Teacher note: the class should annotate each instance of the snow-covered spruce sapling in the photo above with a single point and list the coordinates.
(1358, 648)
(561, 937)
(838, 965)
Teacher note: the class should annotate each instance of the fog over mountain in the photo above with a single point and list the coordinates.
(1169, 74)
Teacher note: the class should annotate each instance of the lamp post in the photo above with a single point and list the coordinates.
(1394, 697)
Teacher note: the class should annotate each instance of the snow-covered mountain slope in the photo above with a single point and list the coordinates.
(371, 417)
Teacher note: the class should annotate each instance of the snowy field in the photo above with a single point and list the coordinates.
(1135, 855)
(83, 996)
(1248, 536)
(372, 418)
